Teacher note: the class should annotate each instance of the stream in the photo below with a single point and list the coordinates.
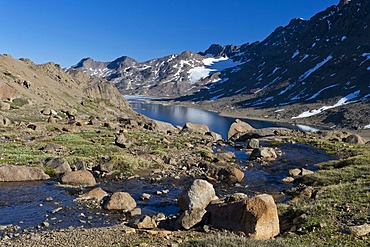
(28, 205)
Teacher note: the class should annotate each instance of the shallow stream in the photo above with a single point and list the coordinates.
(30, 204)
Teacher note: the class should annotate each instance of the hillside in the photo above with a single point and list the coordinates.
(28, 88)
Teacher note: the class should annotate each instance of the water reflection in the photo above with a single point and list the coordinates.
(179, 115)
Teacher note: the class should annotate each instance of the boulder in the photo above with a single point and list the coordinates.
(264, 153)
(4, 106)
(147, 223)
(239, 127)
(354, 139)
(359, 231)
(190, 218)
(122, 141)
(225, 155)
(78, 178)
(230, 175)
(4, 121)
(197, 196)
(6, 92)
(60, 165)
(305, 172)
(12, 173)
(46, 111)
(120, 201)
(294, 172)
(257, 216)
(96, 194)
(253, 143)
(216, 137)
(197, 128)
(164, 127)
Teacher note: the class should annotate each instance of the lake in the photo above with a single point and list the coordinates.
(179, 115)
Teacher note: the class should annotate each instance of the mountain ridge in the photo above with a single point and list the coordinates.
(310, 64)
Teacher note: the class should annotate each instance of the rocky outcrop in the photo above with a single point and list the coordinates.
(257, 216)
(78, 178)
(120, 201)
(12, 173)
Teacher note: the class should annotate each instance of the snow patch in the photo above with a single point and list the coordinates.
(211, 65)
(343, 101)
(317, 94)
(310, 71)
(295, 54)
(280, 110)
(304, 57)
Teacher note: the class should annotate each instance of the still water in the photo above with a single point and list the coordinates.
(179, 115)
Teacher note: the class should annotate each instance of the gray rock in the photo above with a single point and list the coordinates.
(12, 173)
(78, 178)
(135, 212)
(253, 143)
(188, 219)
(264, 153)
(198, 196)
(120, 201)
(60, 165)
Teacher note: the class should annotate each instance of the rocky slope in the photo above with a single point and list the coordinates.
(29, 85)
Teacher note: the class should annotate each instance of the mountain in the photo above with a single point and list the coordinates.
(39, 86)
(301, 70)
(174, 75)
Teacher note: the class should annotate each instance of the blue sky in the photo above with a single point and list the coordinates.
(64, 31)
